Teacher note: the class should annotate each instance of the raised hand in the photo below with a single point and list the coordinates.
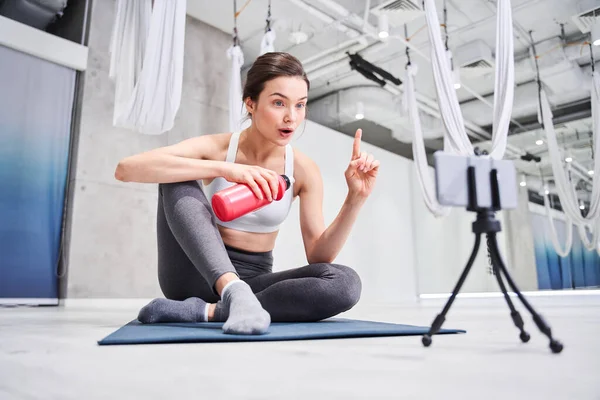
(362, 170)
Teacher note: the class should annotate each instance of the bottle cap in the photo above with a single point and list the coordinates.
(288, 183)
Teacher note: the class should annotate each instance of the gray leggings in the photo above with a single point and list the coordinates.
(192, 256)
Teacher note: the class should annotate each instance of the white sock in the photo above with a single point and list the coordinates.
(227, 286)
(205, 319)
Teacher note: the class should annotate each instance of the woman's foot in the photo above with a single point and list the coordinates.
(241, 311)
(165, 310)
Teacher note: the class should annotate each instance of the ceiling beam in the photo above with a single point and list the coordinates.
(566, 113)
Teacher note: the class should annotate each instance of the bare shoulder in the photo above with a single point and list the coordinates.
(208, 147)
(219, 140)
(214, 139)
(306, 170)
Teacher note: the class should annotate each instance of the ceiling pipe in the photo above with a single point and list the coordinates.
(348, 16)
(577, 142)
(461, 29)
(486, 20)
(333, 63)
(563, 119)
(431, 107)
(350, 32)
(428, 106)
(366, 13)
(324, 53)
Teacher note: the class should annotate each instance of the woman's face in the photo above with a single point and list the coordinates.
(280, 109)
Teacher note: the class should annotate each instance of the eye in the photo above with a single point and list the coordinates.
(301, 105)
(278, 103)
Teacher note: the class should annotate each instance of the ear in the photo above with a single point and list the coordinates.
(250, 105)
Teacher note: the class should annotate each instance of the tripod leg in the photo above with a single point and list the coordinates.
(516, 317)
(555, 345)
(439, 320)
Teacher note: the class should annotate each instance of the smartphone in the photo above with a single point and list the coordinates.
(452, 183)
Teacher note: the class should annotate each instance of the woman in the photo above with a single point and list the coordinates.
(210, 270)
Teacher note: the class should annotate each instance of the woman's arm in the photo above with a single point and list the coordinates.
(183, 161)
(323, 245)
(191, 160)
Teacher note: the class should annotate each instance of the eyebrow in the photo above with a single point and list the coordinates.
(285, 97)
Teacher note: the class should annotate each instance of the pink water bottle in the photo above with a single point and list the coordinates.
(237, 200)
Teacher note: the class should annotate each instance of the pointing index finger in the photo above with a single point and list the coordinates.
(356, 146)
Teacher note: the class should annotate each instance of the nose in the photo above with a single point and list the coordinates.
(291, 115)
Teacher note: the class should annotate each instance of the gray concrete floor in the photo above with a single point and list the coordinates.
(51, 353)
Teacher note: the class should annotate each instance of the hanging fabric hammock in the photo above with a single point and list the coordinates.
(590, 244)
(553, 234)
(236, 56)
(593, 226)
(418, 147)
(504, 83)
(147, 47)
(456, 140)
(567, 197)
(236, 105)
(267, 44)
(562, 252)
(566, 193)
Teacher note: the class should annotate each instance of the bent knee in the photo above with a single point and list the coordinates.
(349, 286)
(183, 195)
(177, 190)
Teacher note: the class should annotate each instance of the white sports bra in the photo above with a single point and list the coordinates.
(271, 216)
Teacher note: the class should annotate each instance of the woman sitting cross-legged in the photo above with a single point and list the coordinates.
(211, 270)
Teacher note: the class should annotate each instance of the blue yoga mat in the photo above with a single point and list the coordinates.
(138, 333)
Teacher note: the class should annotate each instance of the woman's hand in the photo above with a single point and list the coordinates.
(362, 171)
(262, 181)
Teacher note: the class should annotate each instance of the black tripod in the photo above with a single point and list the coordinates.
(488, 224)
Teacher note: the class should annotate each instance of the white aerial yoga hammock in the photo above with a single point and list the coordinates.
(567, 197)
(236, 112)
(456, 140)
(554, 236)
(564, 186)
(267, 43)
(562, 252)
(147, 46)
(591, 245)
(418, 147)
(504, 84)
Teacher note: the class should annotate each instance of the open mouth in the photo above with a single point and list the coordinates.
(286, 131)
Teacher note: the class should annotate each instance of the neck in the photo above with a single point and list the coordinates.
(255, 146)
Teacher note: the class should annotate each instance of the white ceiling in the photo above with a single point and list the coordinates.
(468, 20)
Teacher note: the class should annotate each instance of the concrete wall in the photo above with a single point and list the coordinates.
(112, 245)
